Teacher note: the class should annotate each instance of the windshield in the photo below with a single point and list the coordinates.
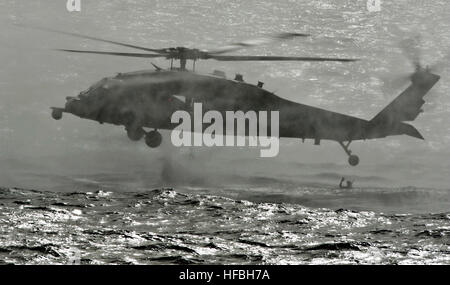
(92, 89)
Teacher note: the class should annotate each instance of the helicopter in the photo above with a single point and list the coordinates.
(148, 98)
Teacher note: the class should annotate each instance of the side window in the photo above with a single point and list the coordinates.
(180, 98)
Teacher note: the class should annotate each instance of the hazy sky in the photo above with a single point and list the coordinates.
(33, 78)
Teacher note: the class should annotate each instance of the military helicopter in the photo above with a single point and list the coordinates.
(147, 99)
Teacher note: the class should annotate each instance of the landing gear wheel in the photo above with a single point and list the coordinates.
(353, 160)
(153, 139)
(135, 134)
(57, 114)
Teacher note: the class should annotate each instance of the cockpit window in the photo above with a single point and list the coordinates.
(94, 87)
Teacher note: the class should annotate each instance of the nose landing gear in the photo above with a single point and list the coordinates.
(57, 113)
(353, 160)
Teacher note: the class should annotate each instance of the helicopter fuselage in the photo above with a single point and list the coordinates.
(149, 98)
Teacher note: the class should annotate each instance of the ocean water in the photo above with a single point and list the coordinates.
(164, 226)
(74, 191)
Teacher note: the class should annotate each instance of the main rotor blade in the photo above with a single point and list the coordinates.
(256, 42)
(147, 55)
(275, 58)
(94, 38)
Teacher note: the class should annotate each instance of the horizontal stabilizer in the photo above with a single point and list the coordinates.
(409, 130)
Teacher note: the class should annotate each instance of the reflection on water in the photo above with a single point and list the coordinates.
(167, 227)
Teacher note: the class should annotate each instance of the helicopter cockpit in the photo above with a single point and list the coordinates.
(88, 101)
(94, 89)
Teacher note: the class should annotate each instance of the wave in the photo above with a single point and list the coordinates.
(168, 226)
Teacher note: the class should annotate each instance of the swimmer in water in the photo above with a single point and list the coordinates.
(349, 184)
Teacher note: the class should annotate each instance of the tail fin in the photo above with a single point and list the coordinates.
(406, 107)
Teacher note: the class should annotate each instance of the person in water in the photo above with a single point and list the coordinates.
(349, 183)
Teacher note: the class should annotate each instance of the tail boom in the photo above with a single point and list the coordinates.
(405, 107)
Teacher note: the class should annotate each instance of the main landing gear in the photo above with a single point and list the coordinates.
(135, 134)
(152, 139)
(353, 160)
